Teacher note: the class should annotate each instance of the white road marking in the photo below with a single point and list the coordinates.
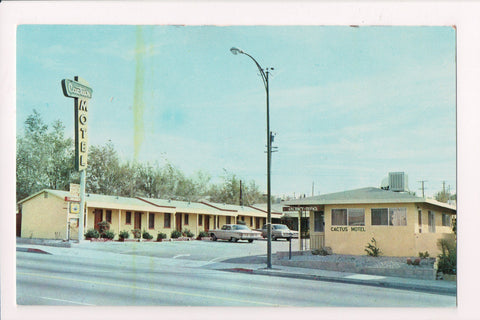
(117, 285)
(68, 301)
(364, 277)
(181, 255)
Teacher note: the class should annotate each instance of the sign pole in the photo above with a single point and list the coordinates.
(80, 90)
(82, 205)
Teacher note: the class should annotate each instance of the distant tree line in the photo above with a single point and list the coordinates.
(45, 160)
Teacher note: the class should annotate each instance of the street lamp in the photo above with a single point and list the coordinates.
(264, 74)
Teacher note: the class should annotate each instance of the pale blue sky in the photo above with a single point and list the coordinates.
(348, 104)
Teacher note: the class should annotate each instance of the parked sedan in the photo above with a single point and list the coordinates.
(280, 231)
(235, 232)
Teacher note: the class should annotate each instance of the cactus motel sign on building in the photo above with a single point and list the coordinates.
(81, 92)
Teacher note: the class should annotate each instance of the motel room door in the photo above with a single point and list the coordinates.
(178, 221)
(98, 218)
(207, 222)
(137, 224)
(318, 238)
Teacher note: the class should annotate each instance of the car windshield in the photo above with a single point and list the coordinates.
(281, 227)
(240, 227)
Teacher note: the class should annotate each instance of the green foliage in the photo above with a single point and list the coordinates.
(146, 235)
(203, 234)
(424, 254)
(161, 236)
(321, 252)
(108, 235)
(188, 233)
(372, 249)
(175, 234)
(92, 233)
(103, 227)
(124, 234)
(45, 158)
(447, 260)
(136, 233)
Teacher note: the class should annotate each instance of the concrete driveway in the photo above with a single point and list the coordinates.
(210, 251)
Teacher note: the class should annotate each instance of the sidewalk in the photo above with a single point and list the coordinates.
(428, 286)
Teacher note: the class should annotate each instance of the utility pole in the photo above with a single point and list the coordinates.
(423, 187)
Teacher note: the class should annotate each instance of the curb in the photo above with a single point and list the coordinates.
(372, 283)
(32, 250)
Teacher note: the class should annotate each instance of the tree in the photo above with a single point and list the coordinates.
(44, 159)
(103, 174)
(444, 196)
(229, 191)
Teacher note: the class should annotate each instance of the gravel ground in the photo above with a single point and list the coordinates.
(363, 261)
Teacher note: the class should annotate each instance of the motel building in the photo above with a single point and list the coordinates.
(402, 224)
(51, 214)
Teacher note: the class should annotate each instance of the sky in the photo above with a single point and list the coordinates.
(348, 104)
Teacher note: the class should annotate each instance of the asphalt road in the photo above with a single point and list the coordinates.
(98, 278)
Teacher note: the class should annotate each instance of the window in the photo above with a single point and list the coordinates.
(431, 221)
(339, 217)
(200, 220)
(108, 216)
(397, 216)
(380, 217)
(151, 221)
(389, 216)
(318, 221)
(251, 221)
(128, 218)
(186, 219)
(356, 217)
(229, 220)
(166, 220)
(446, 220)
(348, 217)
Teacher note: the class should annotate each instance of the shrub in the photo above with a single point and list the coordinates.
(103, 226)
(161, 236)
(136, 233)
(188, 233)
(203, 234)
(175, 234)
(92, 233)
(447, 260)
(124, 235)
(108, 235)
(146, 235)
(241, 222)
(321, 252)
(372, 249)
(423, 255)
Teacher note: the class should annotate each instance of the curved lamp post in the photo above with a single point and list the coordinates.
(269, 155)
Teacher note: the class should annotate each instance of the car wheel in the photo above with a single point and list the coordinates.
(214, 237)
(274, 238)
(250, 240)
(234, 239)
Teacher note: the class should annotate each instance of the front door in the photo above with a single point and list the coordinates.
(178, 220)
(98, 218)
(207, 223)
(138, 221)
